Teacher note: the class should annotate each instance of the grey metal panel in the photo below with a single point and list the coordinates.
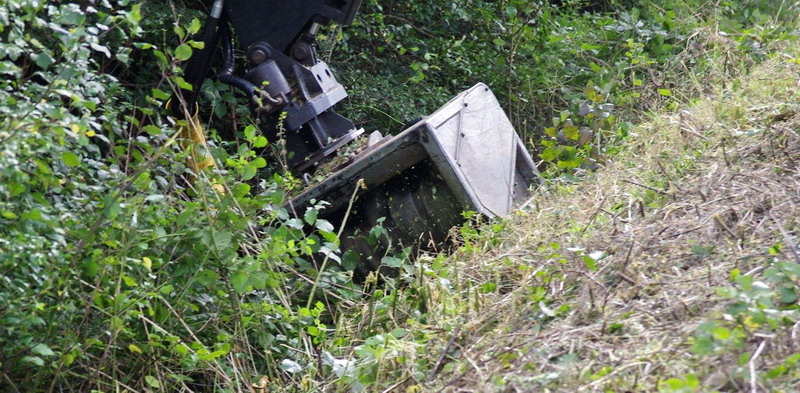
(375, 167)
(311, 109)
(481, 145)
(453, 177)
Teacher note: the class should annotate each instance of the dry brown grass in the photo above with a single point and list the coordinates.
(694, 195)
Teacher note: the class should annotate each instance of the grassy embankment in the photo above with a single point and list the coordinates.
(675, 267)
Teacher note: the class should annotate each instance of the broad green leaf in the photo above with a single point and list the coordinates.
(183, 52)
(240, 189)
(250, 133)
(311, 216)
(222, 240)
(260, 142)
(788, 295)
(128, 281)
(324, 225)
(207, 277)
(675, 383)
(290, 366)
(35, 360)
(148, 263)
(239, 281)
(152, 381)
(160, 94)
(70, 158)
(182, 83)
(259, 163)
(195, 26)
(392, 261)
(42, 350)
(248, 172)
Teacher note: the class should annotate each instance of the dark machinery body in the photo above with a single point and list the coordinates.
(466, 156)
(282, 22)
(283, 74)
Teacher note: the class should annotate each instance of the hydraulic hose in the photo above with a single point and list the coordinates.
(226, 75)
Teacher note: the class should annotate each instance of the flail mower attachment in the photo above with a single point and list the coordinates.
(464, 157)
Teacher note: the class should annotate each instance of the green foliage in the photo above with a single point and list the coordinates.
(757, 305)
(598, 70)
(758, 308)
(120, 267)
(675, 385)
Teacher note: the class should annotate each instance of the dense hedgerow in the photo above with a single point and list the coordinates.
(121, 269)
(557, 69)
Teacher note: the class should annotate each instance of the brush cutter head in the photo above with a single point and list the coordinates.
(464, 157)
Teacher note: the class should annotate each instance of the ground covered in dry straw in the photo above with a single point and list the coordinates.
(674, 268)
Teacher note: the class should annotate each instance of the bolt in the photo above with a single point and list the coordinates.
(258, 56)
(300, 52)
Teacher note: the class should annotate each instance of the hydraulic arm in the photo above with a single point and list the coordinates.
(284, 74)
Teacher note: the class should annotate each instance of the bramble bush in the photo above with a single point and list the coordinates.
(120, 267)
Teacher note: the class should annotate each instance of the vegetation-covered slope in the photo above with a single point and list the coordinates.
(671, 267)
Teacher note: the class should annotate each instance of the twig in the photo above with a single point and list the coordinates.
(662, 192)
(724, 226)
(666, 174)
(213, 363)
(183, 323)
(755, 271)
(594, 216)
(444, 353)
(786, 237)
(395, 386)
(411, 24)
(115, 381)
(587, 275)
(725, 154)
(609, 375)
(685, 232)
(475, 366)
(628, 257)
(10, 382)
(753, 376)
(359, 185)
(626, 278)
